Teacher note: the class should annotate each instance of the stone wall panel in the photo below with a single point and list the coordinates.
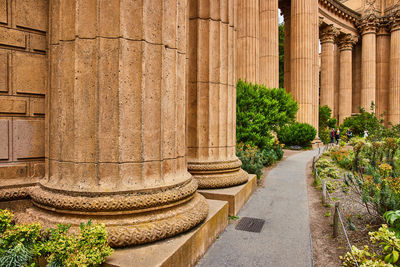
(29, 73)
(11, 37)
(28, 139)
(32, 14)
(13, 105)
(4, 140)
(3, 71)
(3, 11)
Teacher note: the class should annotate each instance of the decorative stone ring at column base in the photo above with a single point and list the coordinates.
(133, 229)
(218, 174)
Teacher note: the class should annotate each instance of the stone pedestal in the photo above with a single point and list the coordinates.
(269, 44)
(394, 86)
(327, 38)
(304, 24)
(382, 71)
(211, 99)
(368, 62)
(116, 123)
(345, 44)
(248, 46)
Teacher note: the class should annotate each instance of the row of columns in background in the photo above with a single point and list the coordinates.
(258, 50)
(355, 74)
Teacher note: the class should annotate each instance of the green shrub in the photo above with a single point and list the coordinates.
(251, 157)
(260, 111)
(23, 244)
(326, 123)
(387, 255)
(88, 248)
(300, 134)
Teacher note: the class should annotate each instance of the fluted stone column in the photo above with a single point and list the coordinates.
(269, 44)
(211, 100)
(116, 126)
(327, 38)
(335, 111)
(248, 54)
(303, 52)
(394, 87)
(356, 96)
(286, 10)
(345, 44)
(368, 62)
(382, 71)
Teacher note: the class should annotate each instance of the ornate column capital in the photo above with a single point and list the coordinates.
(328, 34)
(368, 24)
(347, 41)
(394, 21)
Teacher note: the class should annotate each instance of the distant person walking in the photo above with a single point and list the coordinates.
(337, 136)
(349, 134)
(332, 135)
(365, 133)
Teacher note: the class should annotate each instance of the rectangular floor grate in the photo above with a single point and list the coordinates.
(250, 224)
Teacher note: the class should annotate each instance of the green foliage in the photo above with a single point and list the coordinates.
(260, 111)
(392, 217)
(23, 244)
(88, 248)
(366, 121)
(297, 133)
(251, 157)
(5, 220)
(387, 255)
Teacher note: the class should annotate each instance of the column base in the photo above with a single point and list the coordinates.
(131, 227)
(16, 192)
(218, 174)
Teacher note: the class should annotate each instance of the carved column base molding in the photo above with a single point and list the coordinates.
(133, 229)
(218, 174)
(14, 193)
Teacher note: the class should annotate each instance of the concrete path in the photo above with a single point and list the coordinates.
(285, 239)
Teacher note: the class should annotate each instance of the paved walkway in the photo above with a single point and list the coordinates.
(285, 239)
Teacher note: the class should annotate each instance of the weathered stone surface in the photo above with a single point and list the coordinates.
(3, 71)
(11, 37)
(32, 14)
(15, 105)
(28, 139)
(4, 139)
(3, 11)
(29, 73)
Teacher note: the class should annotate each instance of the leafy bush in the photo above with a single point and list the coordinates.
(252, 159)
(297, 134)
(23, 244)
(260, 111)
(392, 217)
(387, 255)
(88, 248)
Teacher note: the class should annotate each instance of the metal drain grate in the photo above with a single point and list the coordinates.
(250, 224)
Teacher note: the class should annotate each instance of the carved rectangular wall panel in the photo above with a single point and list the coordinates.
(23, 86)
(3, 11)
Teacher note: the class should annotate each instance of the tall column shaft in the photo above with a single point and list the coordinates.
(382, 72)
(269, 44)
(335, 111)
(116, 125)
(327, 37)
(304, 24)
(368, 63)
(211, 100)
(345, 76)
(394, 87)
(356, 95)
(286, 47)
(248, 54)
